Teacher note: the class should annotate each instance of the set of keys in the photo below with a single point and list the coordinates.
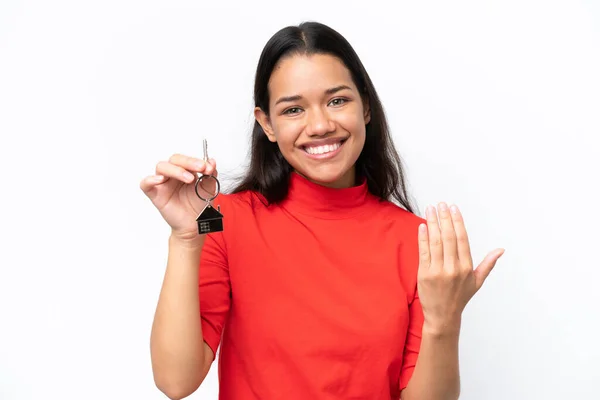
(210, 219)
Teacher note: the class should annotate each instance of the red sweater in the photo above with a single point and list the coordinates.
(314, 298)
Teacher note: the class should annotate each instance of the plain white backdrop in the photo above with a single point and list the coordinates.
(493, 105)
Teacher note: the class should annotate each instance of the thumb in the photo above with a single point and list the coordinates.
(213, 167)
(485, 267)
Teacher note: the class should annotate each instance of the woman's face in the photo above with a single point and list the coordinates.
(317, 118)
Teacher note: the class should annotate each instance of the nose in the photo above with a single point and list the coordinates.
(319, 123)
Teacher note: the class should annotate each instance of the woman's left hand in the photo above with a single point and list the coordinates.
(446, 278)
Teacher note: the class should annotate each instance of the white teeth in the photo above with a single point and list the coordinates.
(323, 149)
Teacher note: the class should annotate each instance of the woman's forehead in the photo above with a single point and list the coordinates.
(308, 74)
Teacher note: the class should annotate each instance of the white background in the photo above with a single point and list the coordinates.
(493, 105)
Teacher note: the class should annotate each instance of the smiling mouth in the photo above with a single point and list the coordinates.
(323, 149)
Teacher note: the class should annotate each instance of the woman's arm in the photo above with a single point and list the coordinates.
(180, 357)
(436, 374)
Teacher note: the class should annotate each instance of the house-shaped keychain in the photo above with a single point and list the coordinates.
(210, 220)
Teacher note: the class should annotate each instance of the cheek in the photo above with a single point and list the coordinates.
(287, 132)
(353, 123)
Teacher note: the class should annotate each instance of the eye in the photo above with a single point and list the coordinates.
(292, 110)
(338, 101)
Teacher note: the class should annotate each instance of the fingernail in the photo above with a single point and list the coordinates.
(200, 164)
(453, 209)
(443, 207)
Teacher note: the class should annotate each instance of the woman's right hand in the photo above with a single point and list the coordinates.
(171, 190)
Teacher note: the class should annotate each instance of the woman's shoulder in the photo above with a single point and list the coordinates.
(399, 215)
(239, 202)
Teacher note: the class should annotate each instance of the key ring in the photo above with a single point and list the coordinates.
(200, 178)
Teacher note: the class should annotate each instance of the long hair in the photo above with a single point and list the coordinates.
(379, 162)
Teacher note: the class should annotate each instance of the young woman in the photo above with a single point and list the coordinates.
(324, 284)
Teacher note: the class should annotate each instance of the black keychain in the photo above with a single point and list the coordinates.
(210, 219)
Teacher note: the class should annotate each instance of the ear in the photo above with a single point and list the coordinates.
(367, 112)
(265, 123)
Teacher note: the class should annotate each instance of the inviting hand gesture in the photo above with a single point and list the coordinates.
(446, 278)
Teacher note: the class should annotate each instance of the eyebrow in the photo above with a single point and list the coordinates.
(297, 97)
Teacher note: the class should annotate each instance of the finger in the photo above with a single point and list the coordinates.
(483, 270)
(171, 170)
(151, 181)
(188, 163)
(462, 239)
(424, 256)
(435, 240)
(448, 237)
(211, 167)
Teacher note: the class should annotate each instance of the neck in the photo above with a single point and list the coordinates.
(327, 202)
(346, 181)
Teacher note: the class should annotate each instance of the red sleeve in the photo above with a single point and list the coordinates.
(214, 289)
(413, 341)
(410, 267)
